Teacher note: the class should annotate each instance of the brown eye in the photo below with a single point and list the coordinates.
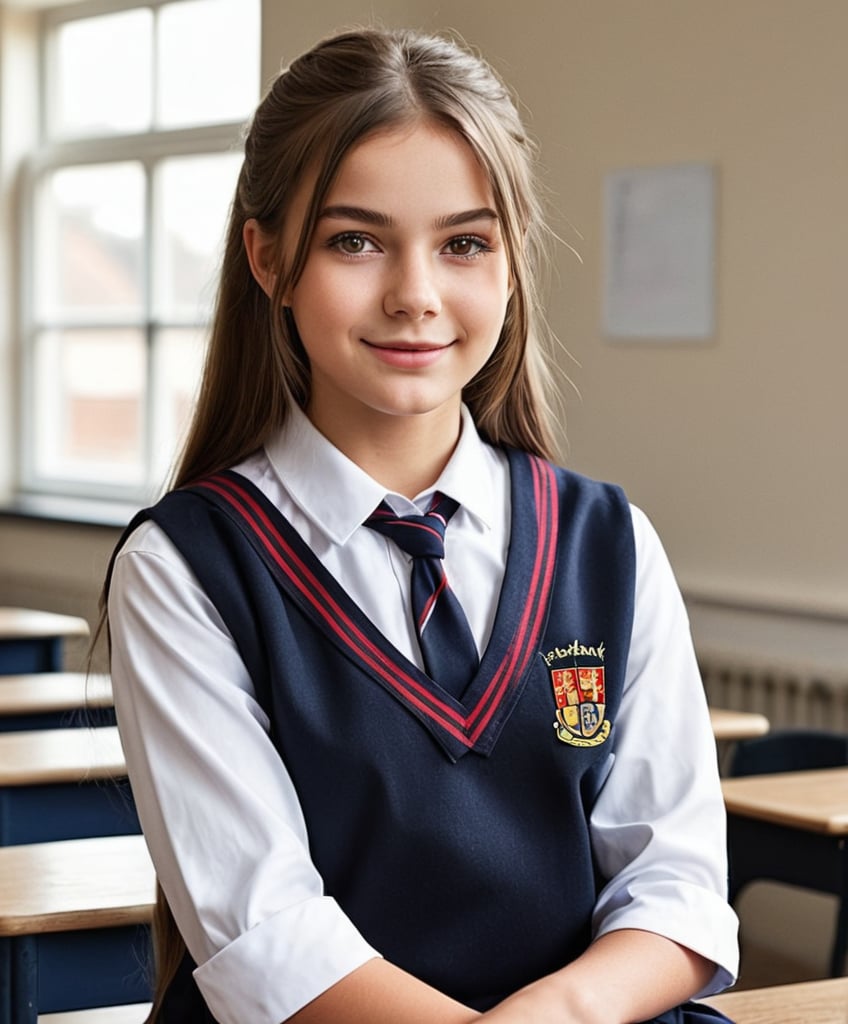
(351, 243)
(466, 245)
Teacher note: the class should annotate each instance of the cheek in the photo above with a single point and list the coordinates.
(311, 314)
(485, 309)
(330, 299)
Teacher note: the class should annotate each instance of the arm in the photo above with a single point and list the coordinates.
(380, 993)
(219, 811)
(623, 977)
(658, 825)
(658, 835)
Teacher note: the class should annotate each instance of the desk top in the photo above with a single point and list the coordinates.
(136, 1013)
(44, 692)
(737, 725)
(75, 884)
(26, 623)
(824, 1002)
(45, 756)
(816, 801)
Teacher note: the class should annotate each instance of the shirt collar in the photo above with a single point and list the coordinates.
(338, 496)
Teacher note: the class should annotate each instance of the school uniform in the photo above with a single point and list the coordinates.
(331, 803)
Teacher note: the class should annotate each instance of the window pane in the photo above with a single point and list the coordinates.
(178, 359)
(208, 68)
(102, 80)
(89, 405)
(193, 196)
(90, 257)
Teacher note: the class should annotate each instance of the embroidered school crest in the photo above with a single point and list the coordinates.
(581, 705)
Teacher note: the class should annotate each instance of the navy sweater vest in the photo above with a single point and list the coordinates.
(452, 832)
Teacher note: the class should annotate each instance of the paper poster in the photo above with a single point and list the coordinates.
(659, 259)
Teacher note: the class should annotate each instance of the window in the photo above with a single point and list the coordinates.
(126, 204)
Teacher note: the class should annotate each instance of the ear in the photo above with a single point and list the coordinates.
(260, 255)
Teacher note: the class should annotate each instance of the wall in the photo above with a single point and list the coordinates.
(732, 447)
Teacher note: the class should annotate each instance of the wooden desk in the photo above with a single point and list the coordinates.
(815, 801)
(31, 641)
(808, 1002)
(737, 725)
(63, 784)
(73, 925)
(135, 1014)
(50, 700)
(60, 755)
(791, 827)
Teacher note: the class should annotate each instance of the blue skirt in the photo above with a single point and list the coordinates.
(691, 1013)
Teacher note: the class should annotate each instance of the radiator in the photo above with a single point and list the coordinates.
(790, 695)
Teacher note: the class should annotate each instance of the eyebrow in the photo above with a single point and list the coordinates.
(383, 220)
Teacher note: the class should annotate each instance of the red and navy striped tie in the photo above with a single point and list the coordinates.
(447, 645)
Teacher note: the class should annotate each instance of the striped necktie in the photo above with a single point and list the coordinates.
(447, 645)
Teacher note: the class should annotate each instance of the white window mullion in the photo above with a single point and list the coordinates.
(101, 321)
(147, 325)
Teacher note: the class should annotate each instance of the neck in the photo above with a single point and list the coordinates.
(406, 454)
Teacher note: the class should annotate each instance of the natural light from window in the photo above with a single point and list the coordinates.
(129, 200)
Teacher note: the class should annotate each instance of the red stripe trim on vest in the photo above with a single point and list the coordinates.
(332, 613)
(467, 730)
(527, 634)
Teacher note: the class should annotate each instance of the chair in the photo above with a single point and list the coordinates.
(789, 750)
(752, 853)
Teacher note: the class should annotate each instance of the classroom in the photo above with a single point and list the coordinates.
(693, 158)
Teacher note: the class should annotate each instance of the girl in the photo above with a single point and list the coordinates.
(371, 796)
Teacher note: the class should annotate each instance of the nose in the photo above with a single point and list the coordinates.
(412, 289)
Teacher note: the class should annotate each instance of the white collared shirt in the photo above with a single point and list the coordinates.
(219, 810)
(326, 497)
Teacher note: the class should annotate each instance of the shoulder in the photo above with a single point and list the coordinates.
(177, 510)
(581, 498)
(148, 558)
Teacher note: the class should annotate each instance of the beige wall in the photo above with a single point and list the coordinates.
(735, 448)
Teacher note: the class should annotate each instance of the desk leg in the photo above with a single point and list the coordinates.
(5, 981)
(724, 752)
(18, 981)
(837, 962)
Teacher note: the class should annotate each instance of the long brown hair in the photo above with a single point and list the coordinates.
(345, 88)
(332, 97)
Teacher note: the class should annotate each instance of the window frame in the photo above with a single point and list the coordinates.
(149, 149)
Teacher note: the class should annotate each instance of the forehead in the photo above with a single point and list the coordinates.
(422, 167)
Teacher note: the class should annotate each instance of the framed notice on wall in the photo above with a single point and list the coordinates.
(659, 253)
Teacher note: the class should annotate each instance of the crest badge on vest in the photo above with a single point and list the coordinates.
(580, 700)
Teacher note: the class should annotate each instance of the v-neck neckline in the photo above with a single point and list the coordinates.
(475, 719)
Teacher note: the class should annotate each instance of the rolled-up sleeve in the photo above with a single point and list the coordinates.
(659, 825)
(219, 811)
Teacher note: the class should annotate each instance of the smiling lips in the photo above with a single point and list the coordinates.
(408, 355)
